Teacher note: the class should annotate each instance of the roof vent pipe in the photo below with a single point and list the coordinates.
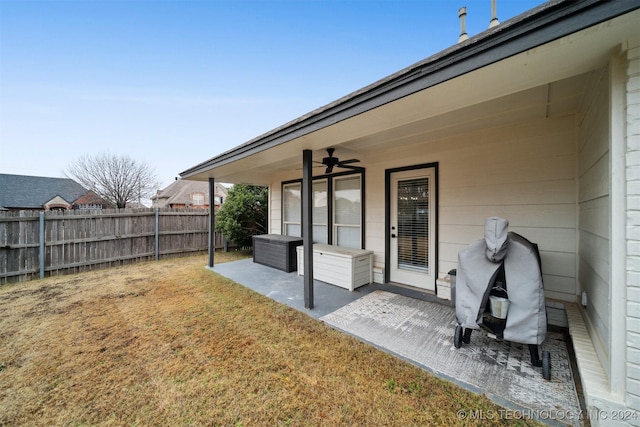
(494, 19)
(462, 14)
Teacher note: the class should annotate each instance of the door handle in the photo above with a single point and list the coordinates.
(393, 236)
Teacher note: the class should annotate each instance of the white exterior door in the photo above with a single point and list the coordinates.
(413, 228)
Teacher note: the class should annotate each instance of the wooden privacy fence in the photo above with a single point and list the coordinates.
(35, 244)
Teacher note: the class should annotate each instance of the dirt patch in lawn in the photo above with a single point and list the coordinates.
(171, 343)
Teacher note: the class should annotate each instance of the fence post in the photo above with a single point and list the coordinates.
(42, 251)
(157, 245)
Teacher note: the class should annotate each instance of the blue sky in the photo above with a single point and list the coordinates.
(174, 83)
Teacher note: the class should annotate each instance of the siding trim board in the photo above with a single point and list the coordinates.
(625, 277)
(617, 206)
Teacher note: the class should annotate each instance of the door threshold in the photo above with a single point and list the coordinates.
(413, 292)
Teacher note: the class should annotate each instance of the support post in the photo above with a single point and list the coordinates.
(212, 220)
(157, 242)
(42, 247)
(307, 226)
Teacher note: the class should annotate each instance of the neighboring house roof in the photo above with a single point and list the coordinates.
(543, 24)
(179, 193)
(90, 198)
(32, 192)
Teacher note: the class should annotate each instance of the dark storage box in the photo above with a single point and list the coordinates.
(276, 251)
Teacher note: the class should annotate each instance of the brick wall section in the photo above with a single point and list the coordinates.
(633, 224)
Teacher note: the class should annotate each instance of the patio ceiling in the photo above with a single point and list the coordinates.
(546, 81)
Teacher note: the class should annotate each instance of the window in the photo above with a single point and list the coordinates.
(197, 199)
(320, 213)
(292, 209)
(337, 210)
(87, 206)
(348, 212)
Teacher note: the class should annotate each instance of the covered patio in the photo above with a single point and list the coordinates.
(418, 327)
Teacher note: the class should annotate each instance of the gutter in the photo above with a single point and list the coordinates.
(543, 24)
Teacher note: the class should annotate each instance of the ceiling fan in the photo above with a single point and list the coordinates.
(330, 162)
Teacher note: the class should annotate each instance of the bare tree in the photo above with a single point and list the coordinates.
(117, 179)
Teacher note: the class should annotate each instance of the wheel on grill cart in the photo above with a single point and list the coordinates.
(546, 365)
(457, 337)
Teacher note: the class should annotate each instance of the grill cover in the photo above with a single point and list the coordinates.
(479, 262)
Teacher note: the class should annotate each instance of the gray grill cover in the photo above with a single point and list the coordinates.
(527, 317)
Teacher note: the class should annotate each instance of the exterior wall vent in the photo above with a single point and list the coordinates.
(494, 18)
(462, 14)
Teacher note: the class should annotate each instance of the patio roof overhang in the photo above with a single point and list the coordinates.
(556, 41)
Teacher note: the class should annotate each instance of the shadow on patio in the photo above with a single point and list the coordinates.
(419, 328)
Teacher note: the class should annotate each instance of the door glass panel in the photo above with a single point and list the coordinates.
(292, 209)
(320, 212)
(320, 234)
(348, 237)
(348, 214)
(293, 230)
(347, 201)
(292, 203)
(413, 224)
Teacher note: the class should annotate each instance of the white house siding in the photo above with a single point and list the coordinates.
(594, 211)
(275, 211)
(525, 172)
(632, 133)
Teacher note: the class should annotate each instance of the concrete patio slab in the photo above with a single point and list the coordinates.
(474, 367)
(288, 288)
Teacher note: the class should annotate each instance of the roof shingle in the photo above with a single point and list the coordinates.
(31, 192)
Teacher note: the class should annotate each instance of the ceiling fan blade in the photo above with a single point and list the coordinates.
(318, 166)
(331, 161)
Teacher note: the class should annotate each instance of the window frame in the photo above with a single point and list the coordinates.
(331, 240)
(336, 226)
(197, 196)
(327, 221)
(284, 221)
